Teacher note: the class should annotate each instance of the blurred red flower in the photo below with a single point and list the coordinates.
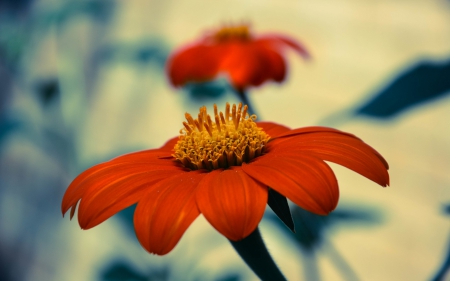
(247, 60)
(222, 169)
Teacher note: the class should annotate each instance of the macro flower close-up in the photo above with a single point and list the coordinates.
(247, 60)
(224, 140)
(222, 166)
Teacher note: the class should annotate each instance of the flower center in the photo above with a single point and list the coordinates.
(232, 33)
(231, 139)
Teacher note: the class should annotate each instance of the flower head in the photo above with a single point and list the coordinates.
(247, 60)
(221, 166)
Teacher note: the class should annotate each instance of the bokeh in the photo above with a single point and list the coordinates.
(84, 81)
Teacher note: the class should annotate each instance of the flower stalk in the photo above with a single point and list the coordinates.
(255, 254)
(244, 99)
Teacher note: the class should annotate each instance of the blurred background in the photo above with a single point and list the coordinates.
(84, 81)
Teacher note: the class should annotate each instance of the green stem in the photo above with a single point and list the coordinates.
(254, 252)
(245, 101)
(444, 270)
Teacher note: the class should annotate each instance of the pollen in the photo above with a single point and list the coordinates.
(224, 140)
(232, 33)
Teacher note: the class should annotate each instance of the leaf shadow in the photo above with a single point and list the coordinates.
(422, 83)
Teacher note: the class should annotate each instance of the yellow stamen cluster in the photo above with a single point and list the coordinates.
(228, 33)
(227, 140)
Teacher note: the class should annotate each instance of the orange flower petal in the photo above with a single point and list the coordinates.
(272, 129)
(318, 129)
(275, 40)
(307, 181)
(116, 168)
(101, 201)
(166, 211)
(270, 65)
(338, 147)
(242, 64)
(274, 64)
(232, 202)
(196, 63)
(312, 129)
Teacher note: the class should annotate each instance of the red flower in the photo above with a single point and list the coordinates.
(223, 170)
(248, 60)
